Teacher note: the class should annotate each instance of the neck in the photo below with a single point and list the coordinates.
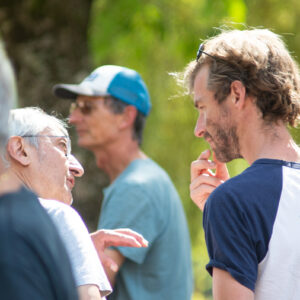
(115, 158)
(9, 183)
(273, 142)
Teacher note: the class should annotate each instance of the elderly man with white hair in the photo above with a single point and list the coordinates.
(33, 261)
(39, 153)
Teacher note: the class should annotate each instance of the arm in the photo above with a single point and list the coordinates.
(113, 259)
(89, 274)
(203, 180)
(118, 260)
(225, 287)
(88, 292)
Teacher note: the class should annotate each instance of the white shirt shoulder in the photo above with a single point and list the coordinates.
(86, 266)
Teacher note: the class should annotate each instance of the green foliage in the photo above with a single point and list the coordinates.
(156, 37)
(46, 41)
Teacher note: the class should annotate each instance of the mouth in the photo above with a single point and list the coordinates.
(71, 182)
(209, 140)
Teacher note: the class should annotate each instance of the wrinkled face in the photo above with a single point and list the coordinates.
(215, 122)
(53, 168)
(96, 126)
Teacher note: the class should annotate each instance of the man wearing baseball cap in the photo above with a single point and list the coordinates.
(109, 111)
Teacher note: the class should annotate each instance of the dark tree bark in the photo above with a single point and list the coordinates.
(47, 43)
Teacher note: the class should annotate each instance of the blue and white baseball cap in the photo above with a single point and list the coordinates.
(122, 83)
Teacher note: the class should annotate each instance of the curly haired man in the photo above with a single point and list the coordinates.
(245, 86)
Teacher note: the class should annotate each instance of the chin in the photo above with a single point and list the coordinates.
(221, 157)
(69, 200)
(66, 199)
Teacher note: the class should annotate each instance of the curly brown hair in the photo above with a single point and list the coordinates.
(260, 60)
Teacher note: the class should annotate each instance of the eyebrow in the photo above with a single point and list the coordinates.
(62, 137)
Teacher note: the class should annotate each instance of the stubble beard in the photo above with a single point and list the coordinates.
(225, 142)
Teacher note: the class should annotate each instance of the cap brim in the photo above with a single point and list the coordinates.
(66, 91)
(71, 91)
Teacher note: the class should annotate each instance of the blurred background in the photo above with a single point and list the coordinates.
(52, 41)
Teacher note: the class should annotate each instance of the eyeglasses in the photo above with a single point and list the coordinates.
(67, 145)
(86, 107)
(44, 135)
(201, 50)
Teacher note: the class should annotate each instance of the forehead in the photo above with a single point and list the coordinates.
(81, 98)
(55, 135)
(55, 131)
(200, 91)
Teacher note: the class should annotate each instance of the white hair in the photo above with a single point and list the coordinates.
(31, 121)
(7, 96)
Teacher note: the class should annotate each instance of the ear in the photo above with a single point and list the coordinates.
(128, 116)
(18, 150)
(238, 93)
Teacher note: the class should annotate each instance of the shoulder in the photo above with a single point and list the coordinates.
(58, 209)
(144, 175)
(66, 219)
(145, 169)
(143, 184)
(24, 213)
(261, 180)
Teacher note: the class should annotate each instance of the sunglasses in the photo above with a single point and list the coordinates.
(86, 107)
(201, 50)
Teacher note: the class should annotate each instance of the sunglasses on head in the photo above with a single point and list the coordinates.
(201, 50)
(242, 78)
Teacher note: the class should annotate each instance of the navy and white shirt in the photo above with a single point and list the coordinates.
(252, 229)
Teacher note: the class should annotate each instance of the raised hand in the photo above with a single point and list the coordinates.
(203, 180)
(105, 238)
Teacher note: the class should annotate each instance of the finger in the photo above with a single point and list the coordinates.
(124, 240)
(200, 195)
(199, 192)
(201, 165)
(107, 238)
(134, 234)
(205, 179)
(205, 154)
(221, 169)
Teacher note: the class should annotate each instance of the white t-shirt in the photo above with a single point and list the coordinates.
(86, 266)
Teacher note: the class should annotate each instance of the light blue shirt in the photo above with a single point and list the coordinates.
(144, 199)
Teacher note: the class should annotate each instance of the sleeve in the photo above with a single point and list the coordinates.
(132, 207)
(86, 265)
(229, 241)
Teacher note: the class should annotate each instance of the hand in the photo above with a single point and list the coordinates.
(105, 238)
(203, 180)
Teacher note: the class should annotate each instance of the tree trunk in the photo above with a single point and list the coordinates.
(46, 41)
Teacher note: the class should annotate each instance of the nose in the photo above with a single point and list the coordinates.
(75, 116)
(200, 125)
(75, 167)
